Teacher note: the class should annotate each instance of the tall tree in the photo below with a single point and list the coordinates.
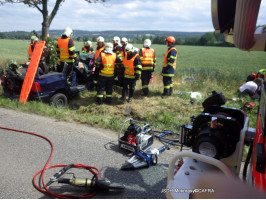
(42, 6)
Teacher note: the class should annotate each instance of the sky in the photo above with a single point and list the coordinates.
(164, 15)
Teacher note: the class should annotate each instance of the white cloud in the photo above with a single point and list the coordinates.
(172, 15)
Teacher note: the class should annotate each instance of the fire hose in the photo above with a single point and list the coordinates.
(94, 184)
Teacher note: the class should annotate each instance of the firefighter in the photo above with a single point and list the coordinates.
(132, 72)
(66, 52)
(117, 46)
(99, 49)
(169, 67)
(119, 72)
(148, 61)
(33, 39)
(100, 46)
(124, 44)
(106, 64)
(87, 48)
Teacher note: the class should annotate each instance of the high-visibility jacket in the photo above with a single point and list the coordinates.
(64, 50)
(147, 57)
(130, 68)
(98, 52)
(169, 64)
(108, 62)
(87, 49)
(30, 51)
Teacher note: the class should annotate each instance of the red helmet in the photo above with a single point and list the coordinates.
(170, 39)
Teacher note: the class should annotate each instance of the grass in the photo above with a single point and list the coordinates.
(210, 68)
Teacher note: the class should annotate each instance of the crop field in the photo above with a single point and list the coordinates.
(207, 69)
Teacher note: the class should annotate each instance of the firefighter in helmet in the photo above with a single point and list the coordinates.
(132, 72)
(106, 62)
(148, 61)
(33, 39)
(169, 66)
(124, 44)
(66, 52)
(87, 48)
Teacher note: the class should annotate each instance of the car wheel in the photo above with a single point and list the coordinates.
(59, 100)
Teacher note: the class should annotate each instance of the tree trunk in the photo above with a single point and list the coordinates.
(45, 30)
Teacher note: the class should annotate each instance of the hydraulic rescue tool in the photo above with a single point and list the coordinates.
(137, 137)
(139, 142)
(144, 159)
(94, 184)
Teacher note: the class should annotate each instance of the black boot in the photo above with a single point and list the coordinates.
(100, 100)
(171, 91)
(145, 91)
(108, 100)
(166, 93)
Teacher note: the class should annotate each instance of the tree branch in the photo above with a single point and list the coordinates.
(53, 13)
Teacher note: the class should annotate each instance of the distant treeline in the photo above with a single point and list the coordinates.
(137, 37)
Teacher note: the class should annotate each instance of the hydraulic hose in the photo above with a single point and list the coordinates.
(44, 188)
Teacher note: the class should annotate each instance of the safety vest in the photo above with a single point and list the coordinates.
(108, 62)
(129, 67)
(64, 51)
(85, 50)
(97, 52)
(165, 63)
(147, 58)
(30, 52)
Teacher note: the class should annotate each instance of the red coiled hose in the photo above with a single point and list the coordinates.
(93, 170)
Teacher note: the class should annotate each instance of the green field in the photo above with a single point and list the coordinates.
(223, 64)
(212, 68)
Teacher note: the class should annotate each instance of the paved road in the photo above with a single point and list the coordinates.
(22, 155)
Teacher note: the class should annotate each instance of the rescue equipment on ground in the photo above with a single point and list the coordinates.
(94, 184)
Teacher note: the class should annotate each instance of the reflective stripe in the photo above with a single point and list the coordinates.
(167, 86)
(169, 75)
(145, 86)
(100, 96)
(109, 95)
(147, 68)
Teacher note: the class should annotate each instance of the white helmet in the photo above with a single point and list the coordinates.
(109, 47)
(34, 38)
(124, 40)
(88, 43)
(116, 40)
(100, 39)
(135, 49)
(129, 48)
(68, 32)
(147, 43)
